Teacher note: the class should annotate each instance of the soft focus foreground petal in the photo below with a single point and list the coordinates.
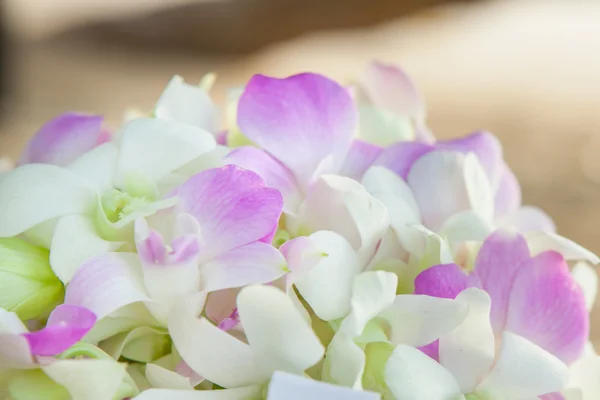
(106, 283)
(66, 326)
(438, 183)
(372, 293)
(75, 241)
(244, 393)
(88, 379)
(584, 376)
(445, 281)
(359, 158)
(508, 193)
(153, 148)
(523, 371)
(342, 205)
(547, 307)
(233, 207)
(34, 193)
(468, 351)
(300, 120)
(479, 189)
(64, 138)
(209, 351)
(286, 386)
(271, 170)
(528, 219)
(587, 278)
(250, 264)
(543, 241)
(498, 262)
(327, 285)
(400, 157)
(418, 320)
(344, 362)
(411, 375)
(277, 333)
(190, 104)
(391, 88)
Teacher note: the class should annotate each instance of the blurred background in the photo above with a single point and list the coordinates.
(526, 70)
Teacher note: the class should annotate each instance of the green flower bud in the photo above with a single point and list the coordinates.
(28, 285)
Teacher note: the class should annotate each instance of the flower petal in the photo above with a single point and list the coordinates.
(587, 278)
(327, 285)
(106, 283)
(468, 351)
(243, 393)
(97, 167)
(528, 219)
(34, 193)
(418, 320)
(14, 348)
(547, 307)
(498, 262)
(272, 171)
(543, 241)
(66, 326)
(344, 362)
(233, 207)
(479, 189)
(445, 281)
(211, 352)
(359, 158)
(286, 386)
(64, 138)
(276, 331)
(508, 193)
(190, 104)
(301, 120)
(75, 241)
(383, 127)
(523, 371)
(162, 378)
(466, 226)
(400, 157)
(584, 375)
(411, 375)
(250, 264)
(152, 148)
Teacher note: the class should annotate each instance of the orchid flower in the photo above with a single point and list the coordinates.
(534, 297)
(472, 365)
(87, 208)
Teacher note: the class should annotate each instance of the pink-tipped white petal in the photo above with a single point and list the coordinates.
(523, 371)
(276, 331)
(286, 386)
(250, 264)
(233, 207)
(411, 375)
(300, 120)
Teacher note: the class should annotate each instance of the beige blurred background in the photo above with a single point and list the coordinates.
(527, 70)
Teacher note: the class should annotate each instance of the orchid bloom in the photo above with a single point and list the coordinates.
(87, 208)
(472, 365)
(198, 245)
(285, 386)
(534, 297)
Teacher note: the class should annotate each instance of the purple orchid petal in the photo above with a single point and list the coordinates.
(508, 193)
(486, 147)
(553, 396)
(501, 256)
(233, 207)
(391, 88)
(64, 138)
(66, 326)
(445, 281)
(221, 305)
(359, 158)
(547, 306)
(432, 350)
(300, 120)
(400, 157)
(230, 322)
(221, 138)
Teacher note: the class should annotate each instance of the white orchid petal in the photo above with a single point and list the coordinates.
(286, 386)
(540, 241)
(344, 362)
(162, 378)
(587, 278)
(479, 189)
(97, 167)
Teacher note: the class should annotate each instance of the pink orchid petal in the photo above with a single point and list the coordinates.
(359, 158)
(553, 396)
(61, 140)
(221, 305)
(300, 120)
(508, 193)
(250, 264)
(232, 206)
(272, 171)
(432, 350)
(529, 219)
(400, 157)
(547, 306)
(445, 280)
(66, 326)
(391, 88)
(498, 262)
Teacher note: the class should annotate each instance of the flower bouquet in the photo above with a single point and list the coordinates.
(324, 245)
